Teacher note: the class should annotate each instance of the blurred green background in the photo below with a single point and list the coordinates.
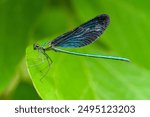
(24, 22)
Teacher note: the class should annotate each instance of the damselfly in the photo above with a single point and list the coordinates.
(79, 37)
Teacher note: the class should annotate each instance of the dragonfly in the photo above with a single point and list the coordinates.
(81, 36)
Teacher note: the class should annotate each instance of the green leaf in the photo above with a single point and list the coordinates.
(74, 77)
(17, 20)
(24, 91)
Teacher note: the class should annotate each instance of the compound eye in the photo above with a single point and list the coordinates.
(35, 46)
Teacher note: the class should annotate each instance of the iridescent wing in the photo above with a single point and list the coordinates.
(84, 34)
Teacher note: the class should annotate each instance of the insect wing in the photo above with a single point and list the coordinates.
(84, 34)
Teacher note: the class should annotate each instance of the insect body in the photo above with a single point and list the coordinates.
(79, 37)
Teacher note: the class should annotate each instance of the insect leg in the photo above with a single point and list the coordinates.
(49, 60)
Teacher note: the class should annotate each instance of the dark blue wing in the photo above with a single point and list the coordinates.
(84, 34)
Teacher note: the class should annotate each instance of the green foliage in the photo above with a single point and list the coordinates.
(24, 91)
(74, 77)
(17, 20)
